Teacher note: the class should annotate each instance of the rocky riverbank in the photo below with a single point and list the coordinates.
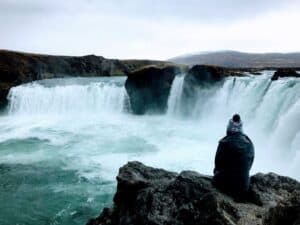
(148, 195)
(17, 68)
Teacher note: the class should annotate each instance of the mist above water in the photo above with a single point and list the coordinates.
(69, 137)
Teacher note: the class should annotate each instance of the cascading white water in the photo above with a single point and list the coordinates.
(174, 102)
(97, 97)
(270, 111)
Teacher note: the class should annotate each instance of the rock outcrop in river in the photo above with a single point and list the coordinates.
(149, 88)
(285, 72)
(17, 68)
(205, 76)
(152, 196)
(200, 77)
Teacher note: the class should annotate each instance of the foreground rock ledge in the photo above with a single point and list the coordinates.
(149, 196)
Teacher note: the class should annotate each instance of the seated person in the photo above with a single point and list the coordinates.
(233, 161)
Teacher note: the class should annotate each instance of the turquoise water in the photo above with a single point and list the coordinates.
(39, 184)
(63, 141)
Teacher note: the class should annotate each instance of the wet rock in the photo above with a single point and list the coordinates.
(287, 211)
(256, 73)
(202, 75)
(285, 72)
(198, 78)
(149, 88)
(147, 195)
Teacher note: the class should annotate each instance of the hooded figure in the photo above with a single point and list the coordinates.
(233, 161)
(235, 125)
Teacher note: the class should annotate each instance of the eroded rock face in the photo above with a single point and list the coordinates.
(204, 75)
(199, 78)
(285, 72)
(149, 88)
(147, 195)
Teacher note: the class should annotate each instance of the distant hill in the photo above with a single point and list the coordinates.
(235, 59)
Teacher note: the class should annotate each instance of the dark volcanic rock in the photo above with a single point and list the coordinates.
(205, 75)
(154, 196)
(4, 89)
(286, 212)
(198, 78)
(149, 88)
(202, 76)
(285, 72)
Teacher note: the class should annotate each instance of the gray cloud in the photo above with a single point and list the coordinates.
(208, 10)
(134, 28)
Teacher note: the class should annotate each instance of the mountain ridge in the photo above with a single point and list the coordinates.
(236, 59)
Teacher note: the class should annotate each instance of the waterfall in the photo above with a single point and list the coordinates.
(95, 97)
(260, 101)
(174, 102)
(65, 139)
(269, 110)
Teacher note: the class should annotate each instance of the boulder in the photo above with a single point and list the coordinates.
(285, 72)
(204, 75)
(287, 211)
(147, 195)
(149, 88)
(197, 79)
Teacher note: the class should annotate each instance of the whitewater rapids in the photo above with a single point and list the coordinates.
(62, 141)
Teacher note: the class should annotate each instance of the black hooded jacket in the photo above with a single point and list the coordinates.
(233, 161)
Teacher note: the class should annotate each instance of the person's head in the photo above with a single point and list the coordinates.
(235, 125)
(236, 118)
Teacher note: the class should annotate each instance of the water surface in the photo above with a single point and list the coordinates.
(62, 141)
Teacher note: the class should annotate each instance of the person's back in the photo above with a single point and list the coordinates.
(233, 160)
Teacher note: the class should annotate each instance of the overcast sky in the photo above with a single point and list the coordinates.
(154, 29)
